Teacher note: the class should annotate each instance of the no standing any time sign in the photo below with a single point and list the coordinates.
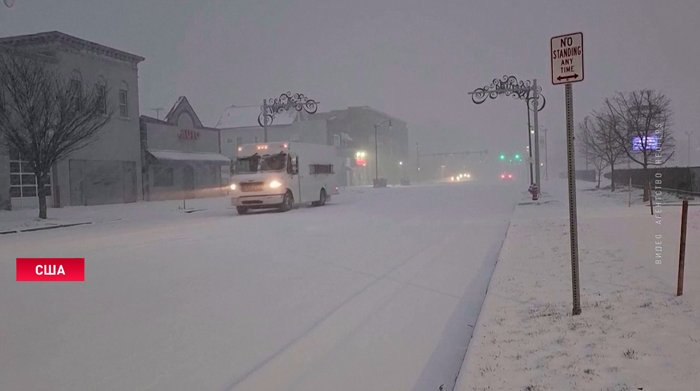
(567, 58)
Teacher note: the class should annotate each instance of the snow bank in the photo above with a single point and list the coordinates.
(23, 219)
(633, 334)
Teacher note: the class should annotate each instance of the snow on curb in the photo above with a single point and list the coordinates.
(633, 333)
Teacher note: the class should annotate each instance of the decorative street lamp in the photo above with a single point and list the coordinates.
(530, 106)
(522, 90)
(285, 102)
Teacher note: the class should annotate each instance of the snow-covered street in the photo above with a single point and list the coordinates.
(378, 290)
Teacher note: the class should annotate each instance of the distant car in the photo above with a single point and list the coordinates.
(460, 177)
(506, 176)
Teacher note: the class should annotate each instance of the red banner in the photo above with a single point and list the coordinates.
(50, 269)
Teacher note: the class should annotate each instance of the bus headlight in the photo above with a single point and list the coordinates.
(275, 184)
(233, 186)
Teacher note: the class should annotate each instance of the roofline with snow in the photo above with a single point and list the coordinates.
(57, 36)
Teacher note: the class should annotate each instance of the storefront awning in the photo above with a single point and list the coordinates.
(204, 157)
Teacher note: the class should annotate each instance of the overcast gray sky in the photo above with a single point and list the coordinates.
(413, 59)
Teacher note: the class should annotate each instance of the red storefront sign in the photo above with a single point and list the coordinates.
(186, 134)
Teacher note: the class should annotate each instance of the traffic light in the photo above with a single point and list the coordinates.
(503, 157)
(517, 157)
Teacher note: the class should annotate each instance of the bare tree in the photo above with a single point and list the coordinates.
(602, 127)
(646, 116)
(591, 147)
(44, 116)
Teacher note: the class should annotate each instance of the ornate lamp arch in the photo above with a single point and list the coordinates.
(286, 101)
(509, 86)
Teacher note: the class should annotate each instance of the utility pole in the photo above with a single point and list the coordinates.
(690, 177)
(376, 148)
(158, 110)
(689, 133)
(417, 162)
(376, 155)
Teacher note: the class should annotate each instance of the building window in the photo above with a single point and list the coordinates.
(229, 141)
(315, 169)
(76, 91)
(239, 141)
(101, 91)
(76, 88)
(22, 178)
(162, 176)
(124, 101)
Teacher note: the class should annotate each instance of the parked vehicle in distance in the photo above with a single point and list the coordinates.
(461, 177)
(282, 175)
(506, 176)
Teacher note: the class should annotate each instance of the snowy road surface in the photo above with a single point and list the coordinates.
(375, 291)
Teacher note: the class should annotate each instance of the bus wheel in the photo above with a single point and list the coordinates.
(242, 210)
(288, 202)
(321, 198)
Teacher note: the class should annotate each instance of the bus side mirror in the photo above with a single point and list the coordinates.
(292, 166)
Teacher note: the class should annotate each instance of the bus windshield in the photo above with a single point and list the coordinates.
(275, 162)
(246, 165)
(257, 163)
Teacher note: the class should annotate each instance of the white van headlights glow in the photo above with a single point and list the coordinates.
(275, 184)
(233, 186)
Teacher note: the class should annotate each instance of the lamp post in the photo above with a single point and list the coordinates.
(530, 132)
(376, 149)
(546, 164)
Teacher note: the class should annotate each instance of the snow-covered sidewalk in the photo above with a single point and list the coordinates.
(633, 334)
(26, 220)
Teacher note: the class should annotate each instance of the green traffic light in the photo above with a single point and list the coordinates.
(517, 156)
(503, 157)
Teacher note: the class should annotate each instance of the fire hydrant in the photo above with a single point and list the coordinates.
(534, 191)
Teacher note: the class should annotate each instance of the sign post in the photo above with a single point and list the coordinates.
(567, 67)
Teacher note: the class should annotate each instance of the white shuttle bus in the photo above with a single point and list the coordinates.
(282, 175)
